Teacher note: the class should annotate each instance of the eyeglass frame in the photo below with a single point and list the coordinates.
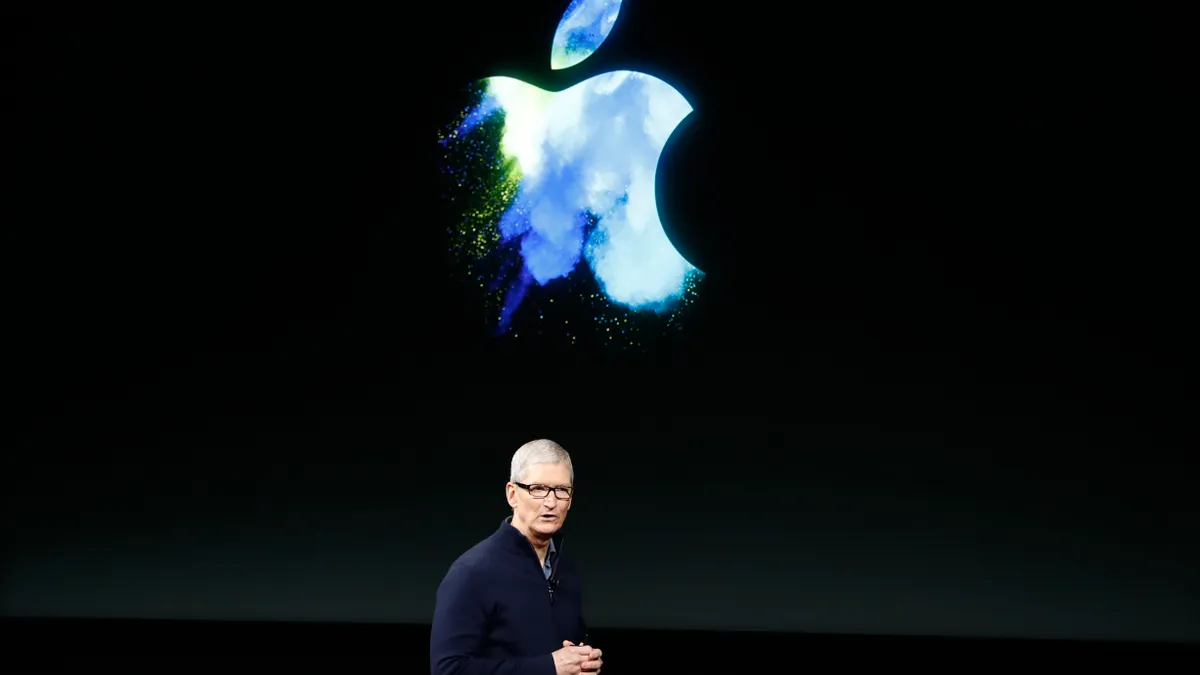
(549, 489)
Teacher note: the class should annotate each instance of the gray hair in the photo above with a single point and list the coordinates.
(541, 451)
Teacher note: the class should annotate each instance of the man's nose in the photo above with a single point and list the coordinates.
(550, 499)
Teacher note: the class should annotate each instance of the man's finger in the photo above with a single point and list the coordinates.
(596, 654)
(568, 643)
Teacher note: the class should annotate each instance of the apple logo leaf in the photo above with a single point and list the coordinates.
(583, 28)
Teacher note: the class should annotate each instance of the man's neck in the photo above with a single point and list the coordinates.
(540, 546)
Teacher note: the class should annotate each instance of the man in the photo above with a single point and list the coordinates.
(512, 605)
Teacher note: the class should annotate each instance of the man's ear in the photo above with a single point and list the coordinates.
(510, 494)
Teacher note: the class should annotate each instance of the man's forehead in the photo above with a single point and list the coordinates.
(548, 474)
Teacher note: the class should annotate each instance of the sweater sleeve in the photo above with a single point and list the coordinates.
(458, 633)
(581, 629)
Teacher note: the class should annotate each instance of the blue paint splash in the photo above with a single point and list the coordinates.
(588, 158)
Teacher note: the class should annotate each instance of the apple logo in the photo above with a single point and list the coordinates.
(561, 187)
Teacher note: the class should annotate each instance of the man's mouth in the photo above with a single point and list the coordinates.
(549, 516)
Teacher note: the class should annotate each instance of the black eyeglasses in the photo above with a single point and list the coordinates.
(543, 491)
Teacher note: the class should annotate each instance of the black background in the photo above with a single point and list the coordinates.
(939, 382)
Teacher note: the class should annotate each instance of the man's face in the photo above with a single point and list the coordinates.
(540, 516)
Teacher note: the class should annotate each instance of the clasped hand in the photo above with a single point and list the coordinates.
(574, 659)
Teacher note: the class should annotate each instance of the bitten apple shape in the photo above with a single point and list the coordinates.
(584, 160)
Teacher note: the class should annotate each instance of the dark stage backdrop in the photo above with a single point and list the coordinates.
(935, 376)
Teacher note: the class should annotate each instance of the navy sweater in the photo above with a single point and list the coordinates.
(497, 613)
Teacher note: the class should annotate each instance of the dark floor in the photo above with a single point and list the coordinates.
(51, 645)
